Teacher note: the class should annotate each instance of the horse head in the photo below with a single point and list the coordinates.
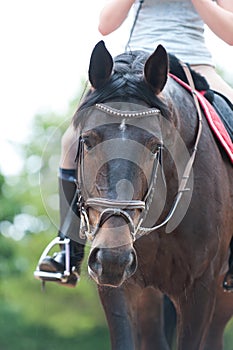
(119, 153)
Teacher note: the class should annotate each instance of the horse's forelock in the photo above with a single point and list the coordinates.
(130, 62)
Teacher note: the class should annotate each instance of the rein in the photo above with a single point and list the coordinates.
(134, 24)
(182, 187)
(111, 207)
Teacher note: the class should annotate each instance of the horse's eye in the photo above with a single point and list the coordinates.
(87, 142)
(90, 139)
(154, 146)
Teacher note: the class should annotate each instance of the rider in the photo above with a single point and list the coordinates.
(179, 26)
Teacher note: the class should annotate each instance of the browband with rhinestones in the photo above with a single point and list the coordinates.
(126, 114)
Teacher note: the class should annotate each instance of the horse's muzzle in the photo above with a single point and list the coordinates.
(112, 266)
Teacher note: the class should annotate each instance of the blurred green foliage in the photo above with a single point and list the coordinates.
(59, 317)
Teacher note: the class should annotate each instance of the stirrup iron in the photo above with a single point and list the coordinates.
(61, 277)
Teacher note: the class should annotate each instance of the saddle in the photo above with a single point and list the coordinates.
(222, 105)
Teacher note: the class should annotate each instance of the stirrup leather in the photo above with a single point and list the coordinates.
(61, 277)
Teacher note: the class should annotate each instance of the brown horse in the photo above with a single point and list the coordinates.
(146, 160)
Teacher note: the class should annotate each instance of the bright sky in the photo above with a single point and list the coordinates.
(45, 50)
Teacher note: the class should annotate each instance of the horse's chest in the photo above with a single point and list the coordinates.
(166, 267)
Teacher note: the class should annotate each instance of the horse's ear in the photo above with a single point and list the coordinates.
(100, 67)
(156, 69)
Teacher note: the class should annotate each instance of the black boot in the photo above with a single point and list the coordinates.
(228, 279)
(69, 226)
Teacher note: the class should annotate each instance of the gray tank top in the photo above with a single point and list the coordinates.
(176, 25)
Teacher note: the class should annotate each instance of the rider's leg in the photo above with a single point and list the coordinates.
(215, 81)
(67, 190)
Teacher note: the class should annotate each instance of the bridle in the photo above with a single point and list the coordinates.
(111, 207)
(120, 208)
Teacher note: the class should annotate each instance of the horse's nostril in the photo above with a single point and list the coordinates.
(94, 261)
(132, 265)
(112, 266)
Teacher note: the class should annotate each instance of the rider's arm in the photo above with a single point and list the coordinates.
(113, 15)
(218, 17)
